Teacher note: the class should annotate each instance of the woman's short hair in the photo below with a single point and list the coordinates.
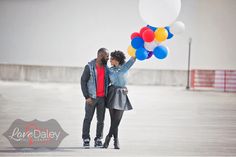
(119, 56)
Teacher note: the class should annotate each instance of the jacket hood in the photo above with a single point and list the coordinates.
(92, 62)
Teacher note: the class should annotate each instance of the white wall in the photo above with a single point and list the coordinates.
(69, 32)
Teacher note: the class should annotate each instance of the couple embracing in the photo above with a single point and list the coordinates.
(103, 88)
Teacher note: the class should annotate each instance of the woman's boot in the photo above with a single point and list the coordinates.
(107, 140)
(116, 143)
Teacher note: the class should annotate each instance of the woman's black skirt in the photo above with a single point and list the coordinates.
(117, 98)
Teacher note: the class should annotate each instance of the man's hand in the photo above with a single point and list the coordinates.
(89, 101)
(125, 91)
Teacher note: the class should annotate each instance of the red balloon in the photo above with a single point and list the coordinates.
(134, 35)
(148, 35)
(142, 30)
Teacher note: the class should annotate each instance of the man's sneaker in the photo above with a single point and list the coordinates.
(86, 143)
(98, 143)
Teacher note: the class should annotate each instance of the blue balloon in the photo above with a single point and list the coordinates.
(170, 35)
(160, 52)
(152, 28)
(141, 54)
(137, 42)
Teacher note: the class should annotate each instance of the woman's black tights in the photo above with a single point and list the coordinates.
(116, 116)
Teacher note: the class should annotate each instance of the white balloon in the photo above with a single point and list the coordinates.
(159, 13)
(150, 46)
(177, 28)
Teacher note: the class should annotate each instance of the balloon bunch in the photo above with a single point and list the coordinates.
(161, 14)
(147, 42)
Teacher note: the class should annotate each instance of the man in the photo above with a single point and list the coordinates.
(94, 85)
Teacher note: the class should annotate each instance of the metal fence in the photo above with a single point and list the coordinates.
(220, 80)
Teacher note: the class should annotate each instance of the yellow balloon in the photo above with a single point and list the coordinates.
(131, 51)
(161, 34)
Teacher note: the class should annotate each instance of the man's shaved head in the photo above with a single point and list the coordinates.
(101, 51)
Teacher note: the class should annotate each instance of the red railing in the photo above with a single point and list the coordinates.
(222, 80)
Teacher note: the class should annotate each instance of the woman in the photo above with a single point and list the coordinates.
(117, 100)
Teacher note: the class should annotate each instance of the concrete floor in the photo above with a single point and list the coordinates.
(166, 121)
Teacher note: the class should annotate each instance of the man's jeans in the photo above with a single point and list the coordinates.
(99, 105)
